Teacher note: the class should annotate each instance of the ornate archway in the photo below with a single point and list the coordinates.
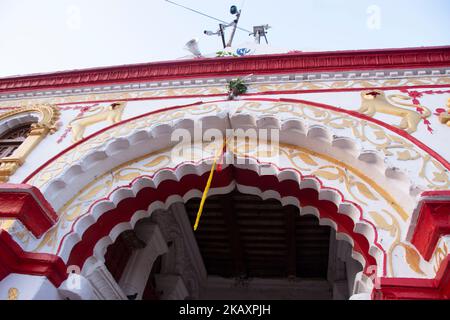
(363, 198)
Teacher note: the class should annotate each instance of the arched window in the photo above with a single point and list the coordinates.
(12, 139)
(21, 130)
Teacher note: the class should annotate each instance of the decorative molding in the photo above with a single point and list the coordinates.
(101, 142)
(46, 124)
(34, 260)
(14, 260)
(216, 87)
(416, 289)
(430, 221)
(180, 260)
(304, 62)
(139, 266)
(27, 204)
(121, 173)
(192, 250)
(128, 208)
(77, 287)
(103, 283)
(49, 116)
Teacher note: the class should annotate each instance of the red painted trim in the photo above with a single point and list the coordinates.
(27, 204)
(14, 260)
(433, 221)
(145, 197)
(416, 289)
(129, 185)
(214, 67)
(288, 92)
(402, 133)
(436, 193)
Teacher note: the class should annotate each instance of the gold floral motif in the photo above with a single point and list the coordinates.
(305, 160)
(358, 186)
(13, 294)
(93, 191)
(440, 178)
(411, 255)
(444, 117)
(349, 181)
(433, 173)
(439, 256)
(352, 178)
(347, 84)
(6, 224)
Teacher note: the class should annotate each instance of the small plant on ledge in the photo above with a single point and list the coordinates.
(236, 88)
(224, 53)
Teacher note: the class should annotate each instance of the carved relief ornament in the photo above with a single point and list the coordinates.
(48, 116)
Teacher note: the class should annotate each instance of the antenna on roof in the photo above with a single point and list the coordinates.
(258, 31)
(221, 32)
(204, 14)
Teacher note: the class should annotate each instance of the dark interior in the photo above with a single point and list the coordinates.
(242, 235)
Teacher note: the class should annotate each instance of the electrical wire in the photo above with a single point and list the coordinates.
(204, 14)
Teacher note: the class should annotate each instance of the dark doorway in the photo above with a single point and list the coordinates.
(241, 235)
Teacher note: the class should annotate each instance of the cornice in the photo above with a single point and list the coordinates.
(27, 204)
(290, 63)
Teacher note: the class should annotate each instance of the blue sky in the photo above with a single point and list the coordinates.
(51, 35)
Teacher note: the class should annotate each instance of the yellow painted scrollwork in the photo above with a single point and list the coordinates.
(412, 257)
(13, 294)
(431, 171)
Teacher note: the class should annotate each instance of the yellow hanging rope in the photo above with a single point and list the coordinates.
(208, 185)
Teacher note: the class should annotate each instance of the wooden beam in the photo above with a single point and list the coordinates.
(291, 263)
(236, 245)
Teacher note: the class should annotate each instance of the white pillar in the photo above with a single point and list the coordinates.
(77, 287)
(103, 283)
(361, 296)
(139, 266)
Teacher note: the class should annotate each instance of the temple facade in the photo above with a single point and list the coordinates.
(306, 175)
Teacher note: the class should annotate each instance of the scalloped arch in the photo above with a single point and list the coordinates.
(126, 205)
(150, 134)
(129, 134)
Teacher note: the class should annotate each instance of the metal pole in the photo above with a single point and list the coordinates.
(230, 42)
(222, 34)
